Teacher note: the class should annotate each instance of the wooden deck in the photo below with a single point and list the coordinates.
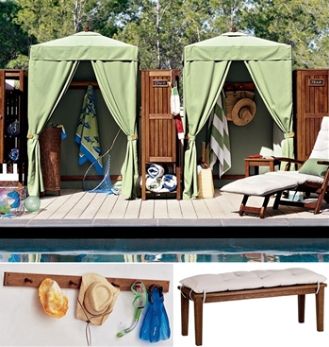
(92, 209)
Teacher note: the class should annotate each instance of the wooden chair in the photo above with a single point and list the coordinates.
(311, 177)
(320, 188)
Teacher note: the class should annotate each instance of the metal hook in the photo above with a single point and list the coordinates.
(72, 283)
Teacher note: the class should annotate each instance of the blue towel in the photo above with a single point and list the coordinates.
(87, 133)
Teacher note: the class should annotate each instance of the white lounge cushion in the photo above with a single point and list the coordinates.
(239, 280)
(321, 146)
(260, 185)
(299, 177)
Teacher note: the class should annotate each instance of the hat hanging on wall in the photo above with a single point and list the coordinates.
(243, 112)
(96, 299)
(53, 301)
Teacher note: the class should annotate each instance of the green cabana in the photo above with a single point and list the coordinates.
(206, 65)
(51, 69)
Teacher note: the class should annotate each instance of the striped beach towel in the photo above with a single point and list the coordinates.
(219, 139)
(87, 133)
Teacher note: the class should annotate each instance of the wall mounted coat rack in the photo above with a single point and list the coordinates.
(22, 279)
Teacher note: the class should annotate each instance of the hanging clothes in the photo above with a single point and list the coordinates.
(219, 139)
(175, 111)
(87, 133)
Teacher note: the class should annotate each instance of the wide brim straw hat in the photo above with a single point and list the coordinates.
(53, 301)
(243, 112)
(96, 299)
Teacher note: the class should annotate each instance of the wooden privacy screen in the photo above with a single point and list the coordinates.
(34, 280)
(159, 143)
(311, 104)
(13, 107)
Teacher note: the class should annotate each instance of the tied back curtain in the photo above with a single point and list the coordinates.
(120, 97)
(48, 81)
(274, 83)
(199, 102)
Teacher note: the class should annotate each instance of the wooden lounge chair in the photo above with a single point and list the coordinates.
(312, 177)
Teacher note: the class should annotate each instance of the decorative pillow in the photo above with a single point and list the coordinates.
(311, 167)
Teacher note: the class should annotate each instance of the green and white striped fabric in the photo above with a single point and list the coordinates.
(219, 138)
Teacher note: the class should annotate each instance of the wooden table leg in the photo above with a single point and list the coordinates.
(264, 206)
(319, 298)
(246, 169)
(301, 308)
(243, 204)
(184, 313)
(198, 313)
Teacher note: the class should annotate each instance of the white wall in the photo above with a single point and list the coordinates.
(23, 322)
(266, 322)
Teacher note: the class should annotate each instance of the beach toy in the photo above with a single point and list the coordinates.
(32, 203)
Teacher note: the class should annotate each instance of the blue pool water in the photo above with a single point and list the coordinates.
(166, 250)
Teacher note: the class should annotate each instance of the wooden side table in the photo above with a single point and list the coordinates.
(257, 162)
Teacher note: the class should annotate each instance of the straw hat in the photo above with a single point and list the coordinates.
(53, 301)
(243, 112)
(96, 299)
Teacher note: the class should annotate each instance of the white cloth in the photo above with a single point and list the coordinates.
(220, 140)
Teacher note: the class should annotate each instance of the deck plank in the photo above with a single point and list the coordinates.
(78, 207)
(174, 210)
(133, 209)
(187, 209)
(201, 208)
(52, 207)
(94, 205)
(147, 209)
(44, 204)
(160, 208)
(106, 208)
(119, 209)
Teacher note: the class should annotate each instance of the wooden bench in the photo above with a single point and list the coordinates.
(268, 283)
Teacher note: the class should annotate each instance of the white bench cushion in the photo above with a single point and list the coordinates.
(240, 280)
(260, 185)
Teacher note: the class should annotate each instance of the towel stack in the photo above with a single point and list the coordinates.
(159, 182)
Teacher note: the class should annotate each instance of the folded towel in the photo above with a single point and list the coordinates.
(87, 133)
(155, 171)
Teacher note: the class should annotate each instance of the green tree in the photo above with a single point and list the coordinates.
(107, 17)
(51, 19)
(156, 28)
(14, 41)
(301, 23)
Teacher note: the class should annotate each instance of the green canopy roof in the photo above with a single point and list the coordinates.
(85, 45)
(236, 46)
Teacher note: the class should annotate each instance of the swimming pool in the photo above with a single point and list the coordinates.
(166, 250)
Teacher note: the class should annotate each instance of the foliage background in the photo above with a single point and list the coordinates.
(161, 28)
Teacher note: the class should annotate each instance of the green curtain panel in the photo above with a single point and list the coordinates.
(201, 101)
(48, 82)
(120, 98)
(206, 65)
(51, 69)
(276, 93)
